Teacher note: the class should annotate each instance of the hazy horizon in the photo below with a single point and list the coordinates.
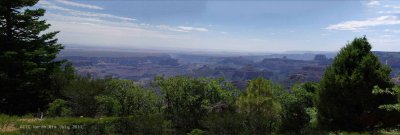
(70, 47)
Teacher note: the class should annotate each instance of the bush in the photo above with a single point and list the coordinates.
(297, 107)
(143, 124)
(123, 98)
(224, 123)
(107, 106)
(81, 93)
(189, 100)
(59, 108)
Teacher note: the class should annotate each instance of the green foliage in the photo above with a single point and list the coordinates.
(135, 124)
(59, 121)
(312, 112)
(81, 93)
(152, 123)
(64, 125)
(124, 98)
(6, 121)
(392, 109)
(355, 94)
(224, 123)
(260, 106)
(296, 105)
(138, 108)
(113, 125)
(59, 108)
(142, 125)
(393, 91)
(188, 100)
(346, 101)
(107, 106)
(27, 56)
(61, 79)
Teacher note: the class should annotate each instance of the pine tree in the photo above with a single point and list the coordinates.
(26, 57)
(346, 101)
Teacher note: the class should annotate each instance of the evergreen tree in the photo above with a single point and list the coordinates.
(26, 57)
(346, 101)
(395, 91)
(393, 109)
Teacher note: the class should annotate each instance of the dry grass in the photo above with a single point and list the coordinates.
(8, 128)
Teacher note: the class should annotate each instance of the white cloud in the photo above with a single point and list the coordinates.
(84, 31)
(186, 28)
(75, 4)
(182, 28)
(92, 17)
(363, 24)
(392, 6)
(97, 32)
(390, 9)
(373, 3)
(96, 29)
(392, 31)
(91, 14)
(170, 28)
(49, 5)
(386, 36)
(389, 12)
(88, 31)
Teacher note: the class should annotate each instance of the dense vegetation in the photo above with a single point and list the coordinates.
(346, 101)
(27, 58)
(355, 94)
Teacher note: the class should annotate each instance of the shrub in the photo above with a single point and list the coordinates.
(59, 108)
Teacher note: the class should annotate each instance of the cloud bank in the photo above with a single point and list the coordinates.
(363, 24)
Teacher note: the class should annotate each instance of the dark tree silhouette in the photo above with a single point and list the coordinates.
(26, 57)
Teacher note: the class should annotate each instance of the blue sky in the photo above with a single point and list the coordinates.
(225, 25)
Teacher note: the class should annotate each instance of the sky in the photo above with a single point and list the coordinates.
(224, 25)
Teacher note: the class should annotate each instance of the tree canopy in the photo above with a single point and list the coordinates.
(27, 56)
(188, 100)
(346, 101)
(259, 103)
